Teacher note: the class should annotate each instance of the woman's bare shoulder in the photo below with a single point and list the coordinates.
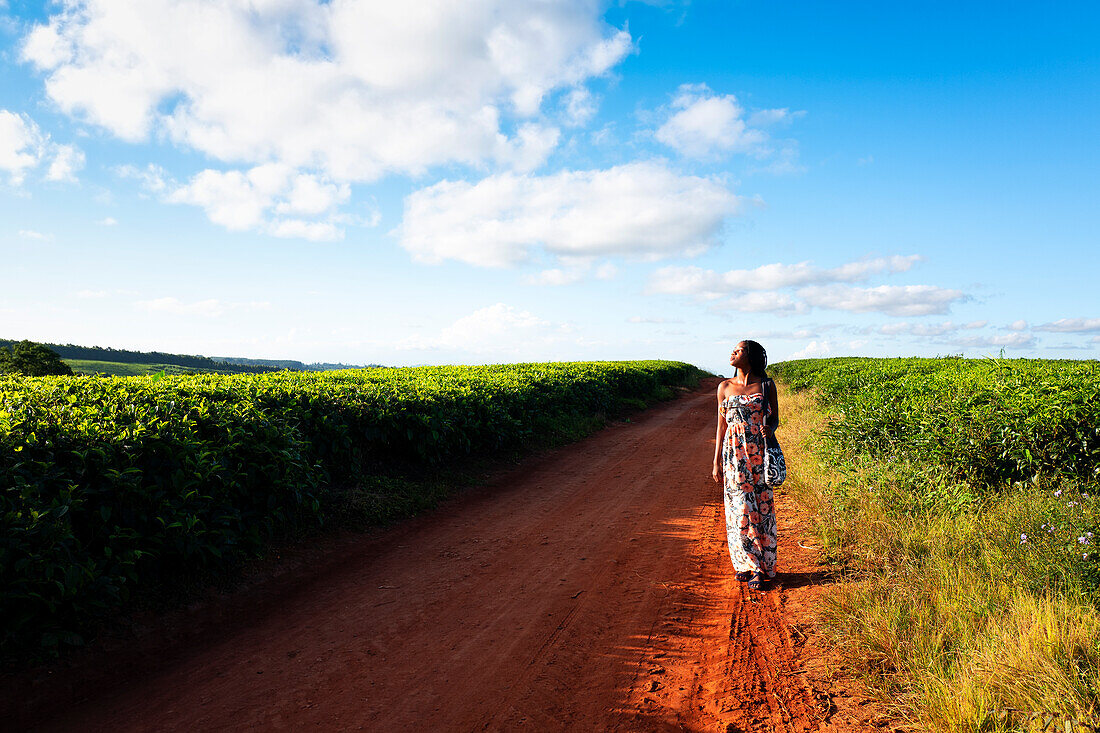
(724, 388)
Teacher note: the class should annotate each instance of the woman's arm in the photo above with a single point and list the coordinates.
(773, 401)
(720, 433)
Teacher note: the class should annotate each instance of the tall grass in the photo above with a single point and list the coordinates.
(972, 601)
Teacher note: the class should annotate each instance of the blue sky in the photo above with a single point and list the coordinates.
(499, 181)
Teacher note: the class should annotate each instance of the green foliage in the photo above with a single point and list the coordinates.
(110, 484)
(964, 492)
(31, 360)
(982, 420)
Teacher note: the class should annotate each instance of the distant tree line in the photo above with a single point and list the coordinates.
(218, 363)
(318, 366)
(99, 353)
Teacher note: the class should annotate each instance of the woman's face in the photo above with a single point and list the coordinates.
(739, 357)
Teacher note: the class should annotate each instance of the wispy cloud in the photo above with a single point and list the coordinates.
(765, 302)
(653, 319)
(495, 329)
(710, 284)
(209, 308)
(893, 300)
(1005, 341)
(25, 147)
(1071, 325)
(924, 329)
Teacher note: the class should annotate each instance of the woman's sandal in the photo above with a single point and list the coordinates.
(744, 575)
(757, 581)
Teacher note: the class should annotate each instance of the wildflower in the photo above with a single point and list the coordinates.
(1023, 538)
(1058, 492)
(1083, 540)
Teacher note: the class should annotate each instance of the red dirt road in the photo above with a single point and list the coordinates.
(588, 589)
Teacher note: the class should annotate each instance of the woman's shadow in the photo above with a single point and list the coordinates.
(801, 579)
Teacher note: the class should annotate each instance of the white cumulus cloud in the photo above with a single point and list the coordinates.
(706, 124)
(814, 349)
(271, 198)
(353, 89)
(640, 210)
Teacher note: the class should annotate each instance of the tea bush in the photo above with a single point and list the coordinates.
(986, 420)
(111, 484)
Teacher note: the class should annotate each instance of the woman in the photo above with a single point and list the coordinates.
(745, 413)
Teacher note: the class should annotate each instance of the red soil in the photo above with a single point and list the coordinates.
(588, 589)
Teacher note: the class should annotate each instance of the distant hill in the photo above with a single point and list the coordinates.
(294, 365)
(99, 359)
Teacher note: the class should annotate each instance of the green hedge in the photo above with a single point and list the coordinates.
(110, 484)
(984, 420)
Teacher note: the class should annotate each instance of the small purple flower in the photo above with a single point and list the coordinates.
(1058, 492)
(1023, 538)
(1083, 540)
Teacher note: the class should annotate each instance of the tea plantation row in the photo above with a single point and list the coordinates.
(112, 484)
(983, 420)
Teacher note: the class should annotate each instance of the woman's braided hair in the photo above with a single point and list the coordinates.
(758, 358)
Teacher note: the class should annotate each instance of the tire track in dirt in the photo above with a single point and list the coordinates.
(587, 589)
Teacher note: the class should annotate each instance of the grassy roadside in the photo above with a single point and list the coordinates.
(966, 610)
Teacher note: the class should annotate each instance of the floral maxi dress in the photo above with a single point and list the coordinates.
(750, 512)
